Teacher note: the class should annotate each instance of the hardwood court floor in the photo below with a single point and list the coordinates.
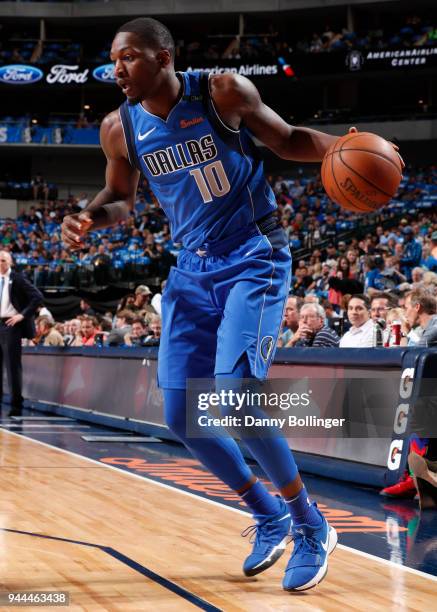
(184, 539)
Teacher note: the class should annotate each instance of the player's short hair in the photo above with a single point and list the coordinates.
(153, 33)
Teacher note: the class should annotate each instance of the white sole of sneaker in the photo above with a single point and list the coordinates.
(276, 554)
(332, 543)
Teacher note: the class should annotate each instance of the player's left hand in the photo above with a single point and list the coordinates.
(353, 130)
(14, 320)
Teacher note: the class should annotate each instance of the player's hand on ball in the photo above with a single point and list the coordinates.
(353, 130)
(74, 228)
(361, 171)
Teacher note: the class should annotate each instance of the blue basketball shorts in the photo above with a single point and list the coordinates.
(215, 308)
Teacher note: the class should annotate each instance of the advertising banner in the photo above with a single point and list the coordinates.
(294, 66)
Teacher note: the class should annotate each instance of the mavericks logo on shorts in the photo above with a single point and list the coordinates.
(266, 347)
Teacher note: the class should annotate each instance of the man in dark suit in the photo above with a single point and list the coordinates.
(18, 302)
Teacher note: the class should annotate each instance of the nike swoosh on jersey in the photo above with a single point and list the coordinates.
(143, 136)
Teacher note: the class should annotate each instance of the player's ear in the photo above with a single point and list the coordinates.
(163, 58)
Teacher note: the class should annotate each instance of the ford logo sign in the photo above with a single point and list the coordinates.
(105, 73)
(19, 74)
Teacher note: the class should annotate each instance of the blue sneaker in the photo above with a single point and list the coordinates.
(308, 564)
(271, 538)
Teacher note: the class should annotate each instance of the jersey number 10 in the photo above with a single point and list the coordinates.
(211, 181)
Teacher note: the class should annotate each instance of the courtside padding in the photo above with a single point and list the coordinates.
(117, 387)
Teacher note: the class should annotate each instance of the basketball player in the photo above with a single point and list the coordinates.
(223, 303)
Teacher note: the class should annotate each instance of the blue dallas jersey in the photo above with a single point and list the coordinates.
(207, 177)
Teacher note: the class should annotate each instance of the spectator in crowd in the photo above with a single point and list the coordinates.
(343, 282)
(43, 311)
(412, 252)
(313, 330)
(72, 330)
(123, 322)
(156, 299)
(154, 337)
(88, 331)
(291, 320)
(86, 309)
(380, 304)
(431, 261)
(138, 335)
(127, 302)
(321, 286)
(374, 280)
(360, 334)
(47, 335)
(142, 300)
(392, 276)
(417, 277)
(421, 309)
(302, 282)
(40, 189)
(102, 264)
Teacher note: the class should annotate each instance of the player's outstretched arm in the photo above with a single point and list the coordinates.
(238, 101)
(114, 202)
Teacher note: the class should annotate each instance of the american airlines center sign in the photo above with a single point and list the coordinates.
(416, 57)
(398, 58)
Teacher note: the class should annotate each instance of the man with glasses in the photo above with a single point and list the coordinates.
(18, 303)
(380, 305)
(313, 330)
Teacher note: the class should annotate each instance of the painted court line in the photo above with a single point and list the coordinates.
(355, 551)
(164, 582)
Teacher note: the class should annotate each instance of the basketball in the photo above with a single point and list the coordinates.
(361, 172)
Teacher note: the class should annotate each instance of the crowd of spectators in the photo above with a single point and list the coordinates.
(338, 252)
(387, 319)
(413, 31)
(136, 323)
